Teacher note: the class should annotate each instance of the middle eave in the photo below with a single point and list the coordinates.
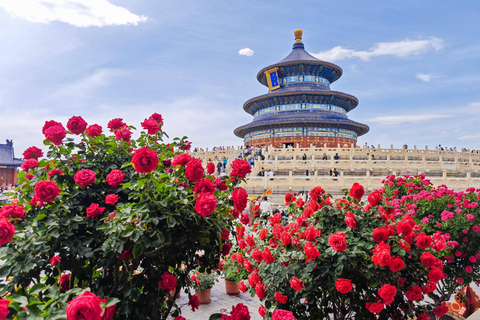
(350, 102)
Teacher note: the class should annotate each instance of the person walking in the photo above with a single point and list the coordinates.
(266, 207)
(250, 207)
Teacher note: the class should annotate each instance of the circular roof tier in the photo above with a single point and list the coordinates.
(300, 120)
(277, 97)
(299, 56)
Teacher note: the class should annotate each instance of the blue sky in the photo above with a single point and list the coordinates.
(413, 65)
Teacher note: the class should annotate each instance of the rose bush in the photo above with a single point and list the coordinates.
(105, 226)
(346, 259)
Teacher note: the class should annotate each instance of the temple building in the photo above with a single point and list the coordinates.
(299, 108)
(8, 165)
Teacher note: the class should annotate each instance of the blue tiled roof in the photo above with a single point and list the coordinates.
(295, 95)
(7, 155)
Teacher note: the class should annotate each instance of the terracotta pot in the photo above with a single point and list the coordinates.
(203, 296)
(232, 288)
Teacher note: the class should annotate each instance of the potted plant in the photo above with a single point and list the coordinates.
(202, 282)
(233, 272)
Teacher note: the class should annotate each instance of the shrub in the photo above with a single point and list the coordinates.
(118, 217)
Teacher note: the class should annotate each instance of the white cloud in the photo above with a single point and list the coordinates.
(425, 77)
(401, 49)
(407, 118)
(245, 52)
(470, 137)
(80, 13)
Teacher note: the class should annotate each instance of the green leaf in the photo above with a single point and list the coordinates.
(22, 300)
(112, 302)
(37, 288)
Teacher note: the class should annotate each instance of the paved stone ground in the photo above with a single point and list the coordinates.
(221, 303)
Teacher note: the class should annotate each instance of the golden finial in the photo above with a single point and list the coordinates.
(298, 35)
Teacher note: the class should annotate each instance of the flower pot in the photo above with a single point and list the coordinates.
(232, 288)
(203, 296)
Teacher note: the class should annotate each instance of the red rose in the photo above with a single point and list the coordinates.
(226, 249)
(109, 311)
(374, 307)
(55, 134)
(94, 130)
(94, 210)
(396, 264)
(381, 234)
(310, 251)
(414, 293)
(267, 256)
(296, 284)
(431, 286)
(440, 310)
(111, 199)
(357, 191)
(225, 234)
(157, 117)
(316, 193)
(280, 298)
(46, 191)
(240, 168)
(240, 199)
(260, 291)
(280, 314)
(115, 178)
(206, 204)
(4, 308)
(423, 316)
(151, 125)
(55, 172)
(84, 177)
(219, 184)
(181, 159)
(262, 311)
(7, 230)
(248, 266)
(49, 124)
(32, 153)
(76, 125)
(64, 281)
(242, 287)
(337, 241)
(300, 203)
(125, 255)
(115, 124)
(85, 306)
(424, 241)
(343, 285)
(193, 302)
(435, 275)
(381, 254)
(428, 259)
(311, 233)
(286, 239)
(145, 160)
(374, 198)
(244, 218)
(387, 292)
(289, 198)
(12, 211)
(123, 134)
(168, 282)
(350, 220)
(55, 260)
(210, 167)
(240, 312)
(167, 163)
(253, 279)
(194, 170)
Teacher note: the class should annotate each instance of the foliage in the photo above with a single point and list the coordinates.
(125, 219)
(344, 260)
(203, 279)
(233, 270)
